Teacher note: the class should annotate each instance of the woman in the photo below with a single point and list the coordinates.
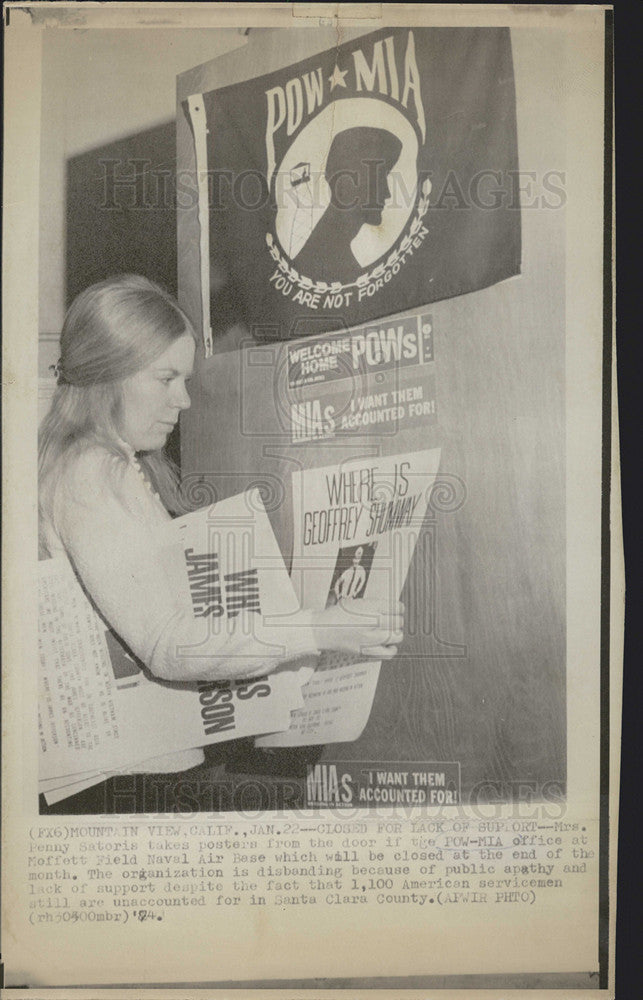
(106, 485)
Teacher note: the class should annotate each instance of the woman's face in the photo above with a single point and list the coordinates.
(152, 399)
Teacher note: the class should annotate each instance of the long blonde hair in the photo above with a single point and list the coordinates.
(111, 331)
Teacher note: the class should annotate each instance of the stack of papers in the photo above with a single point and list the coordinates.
(102, 713)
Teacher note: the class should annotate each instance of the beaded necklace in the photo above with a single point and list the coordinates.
(134, 462)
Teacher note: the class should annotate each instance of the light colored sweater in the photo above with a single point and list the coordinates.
(106, 519)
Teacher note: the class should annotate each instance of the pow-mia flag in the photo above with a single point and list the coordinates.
(366, 180)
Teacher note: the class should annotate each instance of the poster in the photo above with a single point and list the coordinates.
(356, 526)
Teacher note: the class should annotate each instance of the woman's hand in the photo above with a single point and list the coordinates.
(372, 629)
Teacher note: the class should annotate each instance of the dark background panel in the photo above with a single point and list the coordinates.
(121, 210)
(121, 215)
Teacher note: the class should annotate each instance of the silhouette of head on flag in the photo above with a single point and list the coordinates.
(357, 171)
